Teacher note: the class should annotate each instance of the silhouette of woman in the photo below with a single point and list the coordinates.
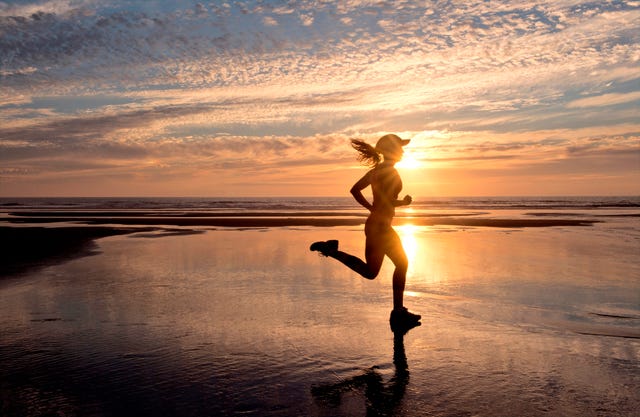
(381, 239)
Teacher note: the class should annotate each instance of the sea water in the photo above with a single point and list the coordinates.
(319, 203)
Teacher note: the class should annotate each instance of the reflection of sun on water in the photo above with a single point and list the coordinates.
(407, 234)
(413, 241)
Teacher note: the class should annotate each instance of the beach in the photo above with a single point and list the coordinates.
(174, 312)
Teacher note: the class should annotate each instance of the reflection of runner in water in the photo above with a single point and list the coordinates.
(382, 398)
(381, 239)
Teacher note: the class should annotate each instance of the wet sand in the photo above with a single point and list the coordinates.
(174, 321)
(71, 233)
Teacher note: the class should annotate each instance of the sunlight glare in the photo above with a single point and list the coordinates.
(409, 162)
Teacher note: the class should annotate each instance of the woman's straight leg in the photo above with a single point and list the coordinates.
(399, 258)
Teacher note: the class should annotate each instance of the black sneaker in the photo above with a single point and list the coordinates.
(402, 320)
(325, 248)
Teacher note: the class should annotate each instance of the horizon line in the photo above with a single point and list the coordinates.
(329, 196)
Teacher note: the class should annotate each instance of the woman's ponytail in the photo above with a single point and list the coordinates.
(366, 153)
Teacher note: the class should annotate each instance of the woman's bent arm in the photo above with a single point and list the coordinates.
(357, 188)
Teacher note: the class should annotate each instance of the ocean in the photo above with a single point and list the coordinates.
(316, 203)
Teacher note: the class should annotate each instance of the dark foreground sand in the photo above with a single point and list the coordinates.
(31, 247)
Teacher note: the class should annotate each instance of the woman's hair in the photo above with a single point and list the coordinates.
(367, 154)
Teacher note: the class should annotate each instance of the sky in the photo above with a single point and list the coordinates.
(261, 98)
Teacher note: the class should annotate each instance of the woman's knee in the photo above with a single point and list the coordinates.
(374, 263)
(401, 264)
(371, 273)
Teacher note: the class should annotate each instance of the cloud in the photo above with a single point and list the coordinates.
(51, 6)
(76, 129)
(306, 19)
(605, 100)
(270, 21)
(457, 39)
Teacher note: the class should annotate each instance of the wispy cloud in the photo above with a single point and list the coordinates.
(605, 100)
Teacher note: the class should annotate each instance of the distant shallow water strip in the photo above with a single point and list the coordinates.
(271, 219)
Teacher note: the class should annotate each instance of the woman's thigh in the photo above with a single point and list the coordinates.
(381, 243)
(374, 252)
(394, 249)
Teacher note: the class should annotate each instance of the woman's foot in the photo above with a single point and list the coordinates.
(404, 315)
(402, 320)
(326, 248)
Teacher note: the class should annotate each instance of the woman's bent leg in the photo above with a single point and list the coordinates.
(353, 262)
(374, 255)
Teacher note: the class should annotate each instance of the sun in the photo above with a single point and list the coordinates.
(409, 162)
